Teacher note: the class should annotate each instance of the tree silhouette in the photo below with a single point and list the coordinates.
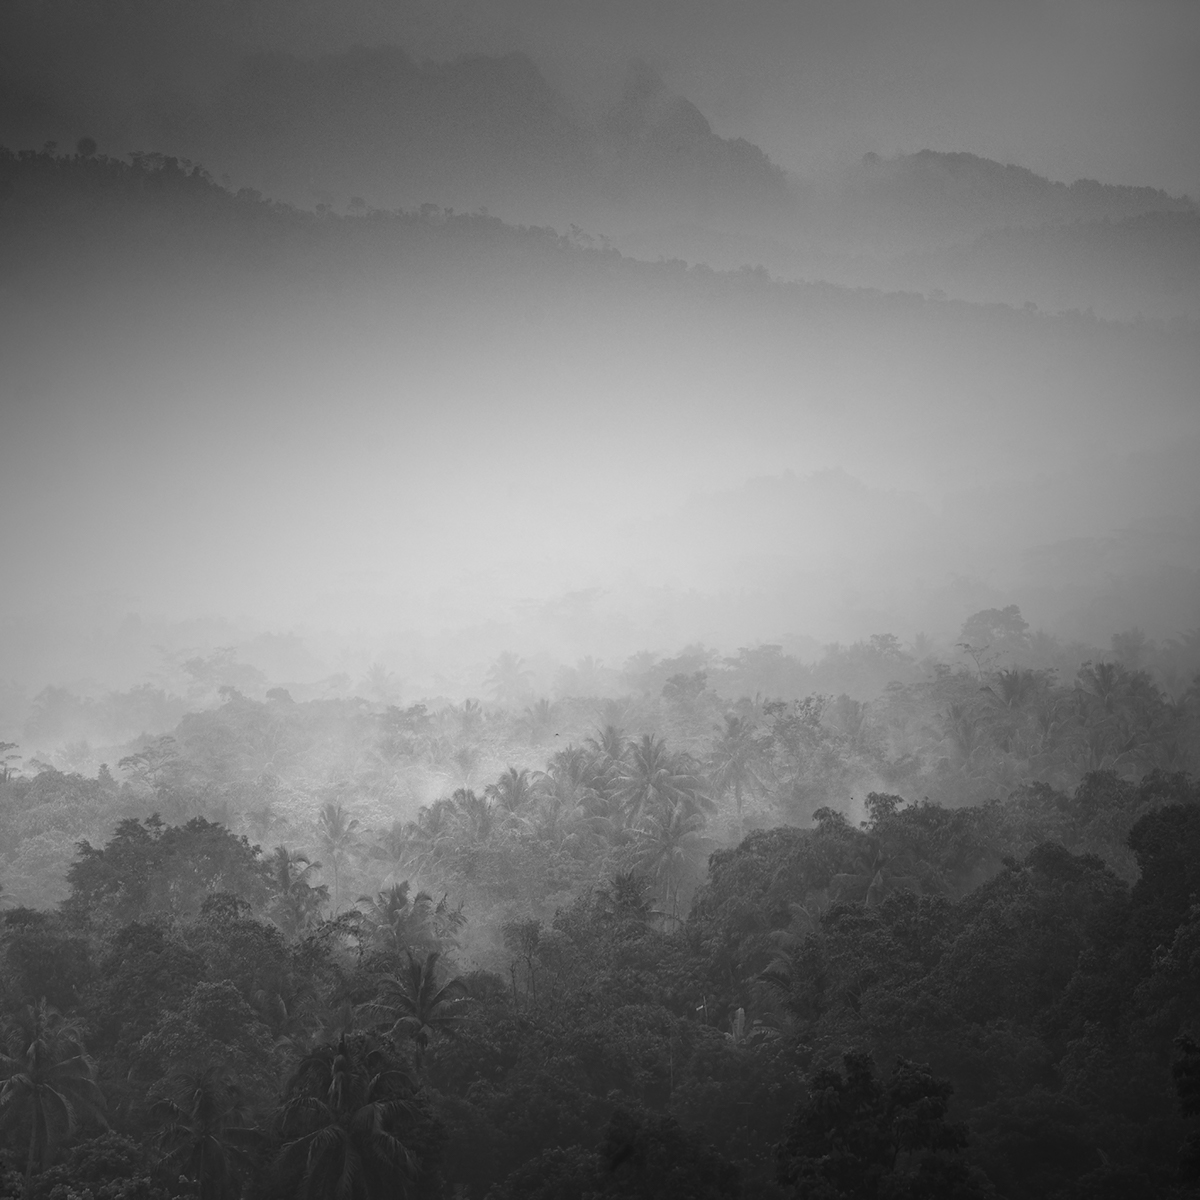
(343, 1123)
(7, 758)
(732, 762)
(296, 901)
(415, 1006)
(48, 1081)
(337, 832)
(508, 678)
(538, 720)
(204, 1132)
(672, 848)
(513, 791)
(396, 922)
(476, 817)
(655, 779)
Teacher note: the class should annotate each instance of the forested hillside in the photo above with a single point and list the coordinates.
(671, 943)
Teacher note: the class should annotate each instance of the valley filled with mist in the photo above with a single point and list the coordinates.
(598, 607)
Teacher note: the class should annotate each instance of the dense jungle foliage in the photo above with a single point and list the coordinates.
(942, 943)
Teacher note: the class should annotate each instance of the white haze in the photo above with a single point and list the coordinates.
(439, 462)
(360, 466)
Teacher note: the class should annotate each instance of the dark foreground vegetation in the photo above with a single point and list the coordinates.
(678, 961)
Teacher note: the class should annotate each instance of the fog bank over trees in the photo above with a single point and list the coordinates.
(521, 416)
(599, 601)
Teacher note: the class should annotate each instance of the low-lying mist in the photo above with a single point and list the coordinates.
(415, 425)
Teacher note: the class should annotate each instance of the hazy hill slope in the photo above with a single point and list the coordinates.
(647, 170)
(475, 131)
(378, 124)
(933, 195)
(972, 228)
(491, 380)
(1148, 264)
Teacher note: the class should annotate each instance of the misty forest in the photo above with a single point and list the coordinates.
(599, 603)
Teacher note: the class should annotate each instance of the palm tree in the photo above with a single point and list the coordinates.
(296, 900)
(584, 779)
(610, 746)
(338, 833)
(673, 849)
(343, 1123)
(733, 758)
(470, 717)
(431, 832)
(395, 922)
(537, 721)
(416, 1006)
(654, 778)
(512, 791)
(394, 847)
(205, 1134)
(475, 815)
(508, 678)
(48, 1079)
(964, 730)
(625, 901)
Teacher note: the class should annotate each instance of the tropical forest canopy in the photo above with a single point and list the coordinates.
(678, 941)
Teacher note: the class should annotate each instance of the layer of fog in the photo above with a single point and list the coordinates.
(466, 465)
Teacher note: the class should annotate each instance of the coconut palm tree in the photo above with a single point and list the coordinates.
(474, 815)
(672, 850)
(513, 791)
(393, 847)
(655, 779)
(609, 746)
(508, 678)
(733, 761)
(47, 1080)
(537, 721)
(205, 1133)
(415, 1006)
(431, 832)
(584, 779)
(343, 1123)
(337, 832)
(396, 922)
(297, 901)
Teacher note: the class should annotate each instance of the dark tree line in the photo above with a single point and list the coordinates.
(935, 1003)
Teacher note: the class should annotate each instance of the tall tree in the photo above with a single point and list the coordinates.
(48, 1081)
(508, 678)
(205, 1133)
(416, 1006)
(513, 791)
(337, 831)
(297, 900)
(733, 761)
(344, 1120)
(655, 779)
(672, 849)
